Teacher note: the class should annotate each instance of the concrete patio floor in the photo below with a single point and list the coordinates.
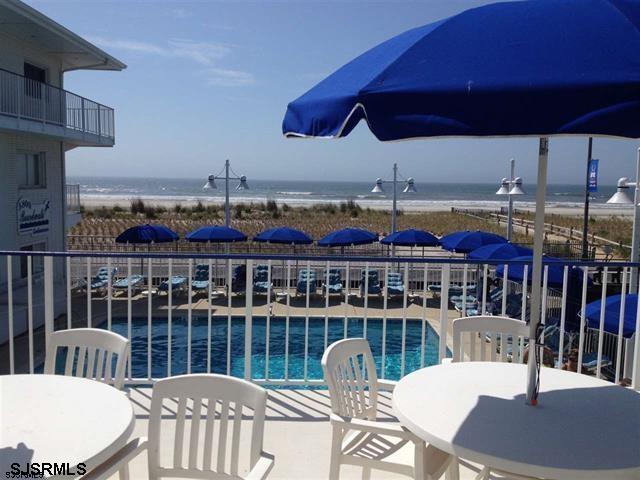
(297, 433)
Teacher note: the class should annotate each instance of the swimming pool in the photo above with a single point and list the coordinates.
(277, 325)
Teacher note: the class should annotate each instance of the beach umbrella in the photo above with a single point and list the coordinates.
(612, 314)
(535, 68)
(283, 235)
(555, 273)
(411, 238)
(147, 234)
(467, 241)
(216, 234)
(348, 237)
(499, 251)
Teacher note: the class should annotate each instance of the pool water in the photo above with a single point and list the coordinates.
(316, 326)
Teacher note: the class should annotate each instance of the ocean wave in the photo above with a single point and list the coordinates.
(294, 193)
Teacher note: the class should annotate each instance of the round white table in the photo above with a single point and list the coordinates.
(582, 427)
(53, 418)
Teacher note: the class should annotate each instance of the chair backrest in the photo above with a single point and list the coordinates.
(90, 353)
(350, 373)
(506, 333)
(210, 399)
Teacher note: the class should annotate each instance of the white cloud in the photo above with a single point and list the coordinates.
(218, 77)
(204, 53)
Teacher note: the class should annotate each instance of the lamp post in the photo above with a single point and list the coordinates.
(211, 184)
(409, 187)
(510, 186)
(621, 197)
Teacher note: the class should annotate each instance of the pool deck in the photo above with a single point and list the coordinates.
(297, 433)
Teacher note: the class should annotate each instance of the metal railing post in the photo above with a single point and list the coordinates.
(248, 319)
(48, 298)
(444, 310)
(82, 113)
(99, 129)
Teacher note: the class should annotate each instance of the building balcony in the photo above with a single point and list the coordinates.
(72, 204)
(29, 106)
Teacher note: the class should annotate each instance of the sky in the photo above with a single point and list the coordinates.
(210, 80)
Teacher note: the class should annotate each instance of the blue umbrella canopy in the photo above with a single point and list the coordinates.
(347, 237)
(284, 235)
(555, 273)
(411, 238)
(467, 241)
(216, 234)
(540, 67)
(612, 314)
(499, 251)
(147, 234)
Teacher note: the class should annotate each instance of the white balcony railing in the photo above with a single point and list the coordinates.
(27, 99)
(274, 325)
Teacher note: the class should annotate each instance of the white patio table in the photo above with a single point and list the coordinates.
(582, 428)
(54, 418)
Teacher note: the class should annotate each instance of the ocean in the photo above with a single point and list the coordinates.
(298, 193)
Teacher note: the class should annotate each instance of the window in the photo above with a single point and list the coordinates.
(33, 76)
(31, 170)
(37, 263)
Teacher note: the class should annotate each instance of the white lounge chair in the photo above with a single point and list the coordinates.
(358, 439)
(96, 351)
(199, 398)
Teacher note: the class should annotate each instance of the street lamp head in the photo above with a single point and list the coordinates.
(378, 186)
(517, 187)
(504, 187)
(410, 187)
(621, 197)
(211, 183)
(243, 184)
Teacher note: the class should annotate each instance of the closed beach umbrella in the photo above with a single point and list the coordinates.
(283, 235)
(499, 251)
(467, 241)
(216, 234)
(540, 67)
(147, 234)
(348, 237)
(612, 314)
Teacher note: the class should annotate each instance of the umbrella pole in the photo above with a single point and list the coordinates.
(536, 287)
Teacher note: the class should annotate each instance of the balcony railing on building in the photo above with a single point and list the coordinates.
(72, 198)
(28, 99)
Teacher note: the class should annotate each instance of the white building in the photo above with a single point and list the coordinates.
(39, 123)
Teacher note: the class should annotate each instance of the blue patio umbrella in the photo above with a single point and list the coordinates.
(538, 67)
(147, 234)
(612, 314)
(411, 238)
(283, 235)
(216, 234)
(467, 241)
(348, 237)
(555, 273)
(499, 251)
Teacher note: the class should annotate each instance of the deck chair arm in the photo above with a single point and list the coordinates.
(387, 385)
(262, 467)
(118, 460)
(392, 429)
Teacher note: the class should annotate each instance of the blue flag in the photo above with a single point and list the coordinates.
(593, 175)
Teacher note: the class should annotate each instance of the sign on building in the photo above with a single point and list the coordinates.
(33, 217)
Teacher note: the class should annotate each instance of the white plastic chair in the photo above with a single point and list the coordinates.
(350, 373)
(507, 333)
(212, 399)
(90, 354)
